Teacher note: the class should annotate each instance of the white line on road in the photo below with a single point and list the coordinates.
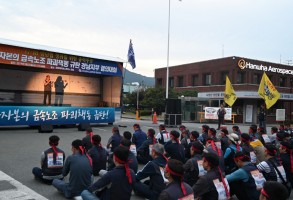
(20, 193)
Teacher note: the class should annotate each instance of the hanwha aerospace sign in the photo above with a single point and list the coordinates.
(242, 64)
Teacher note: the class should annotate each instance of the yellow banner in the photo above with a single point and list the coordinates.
(230, 95)
(267, 91)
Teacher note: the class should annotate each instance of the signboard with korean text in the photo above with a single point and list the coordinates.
(57, 61)
(38, 115)
(211, 113)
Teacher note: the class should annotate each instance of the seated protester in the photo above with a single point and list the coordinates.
(212, 147)
(87, 140)
(173, 148)
(273, 191)
(114, 140)
(259, 149)
(212, 133)
(193, 137)
(247, 149)
(143, 152)
(193, 167)
(253, 132)
(163, 136)
(288, 129)
(52, 161)
(224, 139)
(230, 152)
(151, 188)
(127, 135)
(205, 188)
(236, 130)
(185, 140)
(263, 137)
(241, 182)
(98, 154)
(204, 134)
(273, 136)
(184, 131)
(115, 184)
(268, 167)
(138, 136)
(79, 165)
(132, 161)
(286, 155)
(176, 188)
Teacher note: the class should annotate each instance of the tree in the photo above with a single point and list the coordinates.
(188, 93)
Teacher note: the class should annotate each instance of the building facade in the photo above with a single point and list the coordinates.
(208, 79)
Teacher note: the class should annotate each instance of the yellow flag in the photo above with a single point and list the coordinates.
(230, 95)
(267, 91)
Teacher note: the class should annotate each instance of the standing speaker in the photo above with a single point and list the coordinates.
(46, 128)
(83, 126)
(173, 106)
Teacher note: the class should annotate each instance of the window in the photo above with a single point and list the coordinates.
(171, 81)
(256, 79)
(180, 81)
(240, 77)
(194, 80)
(207, 79)
(159, 82)
(223, 77)
(282, 81)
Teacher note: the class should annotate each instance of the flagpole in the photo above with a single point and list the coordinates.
(167, 74)
(122, 89)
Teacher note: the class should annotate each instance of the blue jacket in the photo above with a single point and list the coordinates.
(152, 170)
(117, 179)
(114, 140)
(139, 137)
(80, 174)
(175, 151)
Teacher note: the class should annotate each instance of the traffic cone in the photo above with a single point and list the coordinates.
(137, 116)
(155, 120)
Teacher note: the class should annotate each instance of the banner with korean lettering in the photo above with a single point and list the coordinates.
(37, 115)
(57, 61)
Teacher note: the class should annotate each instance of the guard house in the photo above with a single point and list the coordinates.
(208, 79)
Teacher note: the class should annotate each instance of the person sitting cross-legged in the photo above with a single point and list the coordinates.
(52, 161)
(176, 188)
(79, 165)
(241, 182)
(115, 184)
(152, 188)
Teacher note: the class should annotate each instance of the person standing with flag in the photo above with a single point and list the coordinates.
(262, 117)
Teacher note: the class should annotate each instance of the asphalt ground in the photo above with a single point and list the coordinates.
(21, 147)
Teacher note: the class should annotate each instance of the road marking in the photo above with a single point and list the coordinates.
(20, 193)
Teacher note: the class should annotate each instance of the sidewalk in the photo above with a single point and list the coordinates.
(243, 127)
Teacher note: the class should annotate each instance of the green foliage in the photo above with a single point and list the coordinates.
(145, 112)
(188, 93)
(154, 98)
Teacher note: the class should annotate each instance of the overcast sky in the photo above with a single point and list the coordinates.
(200, 29)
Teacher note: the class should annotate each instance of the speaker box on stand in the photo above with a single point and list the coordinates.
(83, 126)
(46, 128)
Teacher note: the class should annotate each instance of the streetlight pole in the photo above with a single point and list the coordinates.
(167, 74)
(137, 97)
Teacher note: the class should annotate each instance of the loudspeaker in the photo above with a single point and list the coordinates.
(173, 106)
(173, 120)
(83, 126)
(46, 128)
